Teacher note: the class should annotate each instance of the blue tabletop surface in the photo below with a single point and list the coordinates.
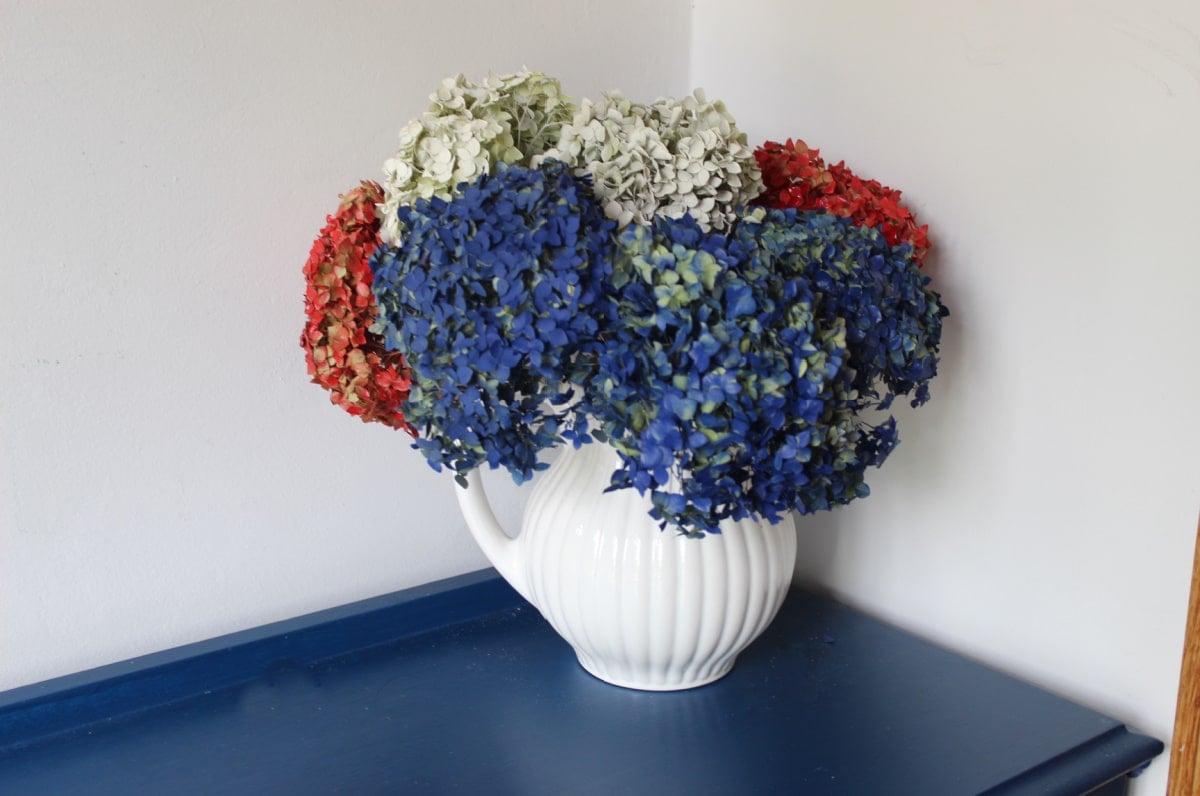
(462, 687)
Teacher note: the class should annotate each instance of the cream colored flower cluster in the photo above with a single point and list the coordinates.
(667, 158)
(468, 128)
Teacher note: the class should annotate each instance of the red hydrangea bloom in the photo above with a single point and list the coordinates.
(796, 176)
(343, 355)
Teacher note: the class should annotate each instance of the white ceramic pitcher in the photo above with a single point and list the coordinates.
(643, 607)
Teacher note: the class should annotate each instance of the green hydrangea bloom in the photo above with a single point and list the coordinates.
(467, 129)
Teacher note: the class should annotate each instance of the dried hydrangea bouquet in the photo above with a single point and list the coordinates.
(713, 333)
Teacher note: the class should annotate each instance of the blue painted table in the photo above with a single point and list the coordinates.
(460, 686)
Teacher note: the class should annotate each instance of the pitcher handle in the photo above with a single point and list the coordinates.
(500, 549)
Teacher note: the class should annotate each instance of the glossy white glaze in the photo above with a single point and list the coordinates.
(643, 608)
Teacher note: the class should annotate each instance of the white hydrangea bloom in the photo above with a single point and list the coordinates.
(668, 158)
(467, 128)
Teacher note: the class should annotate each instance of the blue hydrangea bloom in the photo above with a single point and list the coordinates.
(491, 299)
(734, 369)
(732, 372)
(893, 319)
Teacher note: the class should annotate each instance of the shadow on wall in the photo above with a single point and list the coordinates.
(817, 548)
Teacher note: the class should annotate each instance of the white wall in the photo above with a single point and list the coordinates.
(166, 471)
(1041, 511)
